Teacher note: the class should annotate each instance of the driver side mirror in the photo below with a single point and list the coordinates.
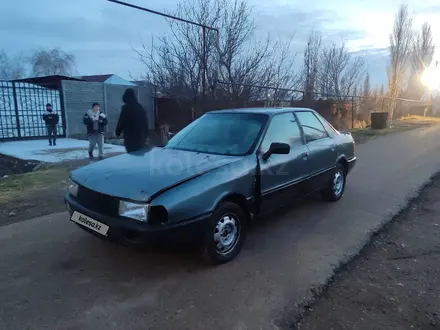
(277, 148)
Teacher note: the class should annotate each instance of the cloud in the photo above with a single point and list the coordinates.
(84, 23)
(101, 34)
(285, 21)
(377, 61)
(429, 9)
(378, 52)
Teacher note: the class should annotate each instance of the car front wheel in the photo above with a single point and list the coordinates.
(226, 233)
(336, 186)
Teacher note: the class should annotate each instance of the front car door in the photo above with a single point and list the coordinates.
(280, 174)
(322, 158)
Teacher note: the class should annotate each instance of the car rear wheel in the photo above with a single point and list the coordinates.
(226, 233)
(336, 186)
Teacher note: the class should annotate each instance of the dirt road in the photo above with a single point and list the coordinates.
(58, 277)
(395, 282)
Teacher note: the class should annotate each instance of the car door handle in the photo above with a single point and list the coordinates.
(305, 155)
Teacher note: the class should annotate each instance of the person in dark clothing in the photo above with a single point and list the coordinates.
(51, 119)
(95, 121)
(132, 123)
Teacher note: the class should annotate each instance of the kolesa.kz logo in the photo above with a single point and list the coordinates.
(89, 223)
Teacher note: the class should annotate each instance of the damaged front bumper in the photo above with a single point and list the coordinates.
(133, 232)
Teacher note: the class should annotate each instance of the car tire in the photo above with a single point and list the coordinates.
(336, 186)
(226, 234)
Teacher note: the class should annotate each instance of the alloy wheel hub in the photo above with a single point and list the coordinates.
(338, 183)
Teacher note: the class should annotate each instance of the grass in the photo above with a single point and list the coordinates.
(48, 177)
(421, 119)
(21, 185)
(385, 131)
(364, 134)
(403, 124)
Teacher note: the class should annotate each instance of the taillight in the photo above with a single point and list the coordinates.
(354, 146)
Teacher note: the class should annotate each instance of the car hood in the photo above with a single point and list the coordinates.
(141, 175)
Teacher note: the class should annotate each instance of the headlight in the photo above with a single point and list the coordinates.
(73, 189)
(134, 210)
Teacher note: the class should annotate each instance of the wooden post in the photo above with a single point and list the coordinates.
(203, 69)
(352, 112)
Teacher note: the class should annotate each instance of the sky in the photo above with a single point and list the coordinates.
(102, 35)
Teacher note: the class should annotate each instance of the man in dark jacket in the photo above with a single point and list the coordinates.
(51, 119)
(95, 122)
(133, 122)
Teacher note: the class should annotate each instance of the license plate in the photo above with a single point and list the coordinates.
(90, 223)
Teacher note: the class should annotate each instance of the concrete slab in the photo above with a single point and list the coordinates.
(55, 276)
(66, 149)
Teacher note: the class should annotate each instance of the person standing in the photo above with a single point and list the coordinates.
(132, 123)
(51, 119)
(95, 121)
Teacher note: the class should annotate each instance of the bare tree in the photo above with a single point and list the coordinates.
(423, 53)
(12, 67)
(311, 64)
(277, 71)
(340, 73)
(401, 41)
(174, 63)
(52, 62)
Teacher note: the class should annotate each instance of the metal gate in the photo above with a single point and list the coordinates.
(22, 106)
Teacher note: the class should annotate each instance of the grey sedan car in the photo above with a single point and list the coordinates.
(212, 178)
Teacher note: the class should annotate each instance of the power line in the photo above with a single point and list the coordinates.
(204, 28)
(163, 14)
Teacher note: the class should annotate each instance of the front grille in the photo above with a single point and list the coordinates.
(97, 202)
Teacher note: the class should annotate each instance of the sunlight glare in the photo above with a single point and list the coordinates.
(431, 77)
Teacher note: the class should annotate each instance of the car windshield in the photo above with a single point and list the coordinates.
(232, 134)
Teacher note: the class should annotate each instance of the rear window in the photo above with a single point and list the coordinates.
(328, 127)
(312, 127)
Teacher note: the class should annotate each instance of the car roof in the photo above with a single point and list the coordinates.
(266, 111)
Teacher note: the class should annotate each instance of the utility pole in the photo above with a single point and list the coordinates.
(203, 67)
(352, 112)
(306, 94)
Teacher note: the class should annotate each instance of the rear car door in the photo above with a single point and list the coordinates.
(322, 156)
(280, 174)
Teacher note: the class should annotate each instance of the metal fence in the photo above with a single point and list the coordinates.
(22, 106)
(344, 113)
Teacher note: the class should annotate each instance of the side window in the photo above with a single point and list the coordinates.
(312, 127)
(282, 128)
(329, 128)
